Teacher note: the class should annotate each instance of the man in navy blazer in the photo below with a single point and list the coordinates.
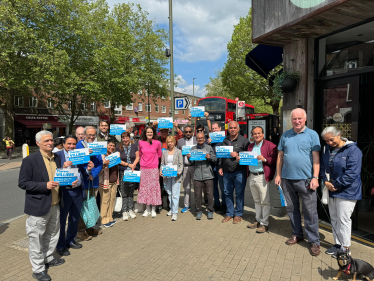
(73, 198)
(42, 204)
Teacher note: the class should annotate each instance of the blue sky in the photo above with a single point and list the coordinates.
(202, 29)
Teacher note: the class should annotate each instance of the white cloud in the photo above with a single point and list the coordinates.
(202, 29)
(189, 89)
(180, 81)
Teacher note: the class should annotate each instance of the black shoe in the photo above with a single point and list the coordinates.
(217, 207)
(55, 262)
(63, 252)
(41, 276)
(206, 202)
(75, 245)
(158, 209)
(223, 210)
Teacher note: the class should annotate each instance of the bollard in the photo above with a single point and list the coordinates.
(25, 150)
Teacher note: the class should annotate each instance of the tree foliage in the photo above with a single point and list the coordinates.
(239, 80)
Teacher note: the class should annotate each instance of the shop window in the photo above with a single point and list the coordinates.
(33, 102)
(129, 106)
(163, 109)
(107, 104)
(157, 108)
(347, 51)
(50, 103)
(118, 109)
(18, 100)
(148, 107)
(140, 106)
(83, 106)
(93, 106)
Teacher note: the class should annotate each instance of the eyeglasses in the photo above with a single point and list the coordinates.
(199, 131)
(91, 136)
(188, 132)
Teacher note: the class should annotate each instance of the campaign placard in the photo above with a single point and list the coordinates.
(224, 151)
(66, 176)
(114, 159)
(186, 149)
(79, 156)
(170, 170)
(117, 129)
(98, 147)
(217, 137)
(248, 158)
(165, 123)
(130, 176)
(198, 155)
(197, 111)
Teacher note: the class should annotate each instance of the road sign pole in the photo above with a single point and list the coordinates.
(171, 59)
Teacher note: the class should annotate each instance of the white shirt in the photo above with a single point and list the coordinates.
(188, 142)
(170, 159)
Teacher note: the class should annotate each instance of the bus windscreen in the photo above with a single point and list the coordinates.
(213, 104)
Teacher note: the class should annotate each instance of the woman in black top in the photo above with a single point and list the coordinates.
(274, 137)
(129, 154)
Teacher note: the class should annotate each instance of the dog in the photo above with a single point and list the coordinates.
(358, 268)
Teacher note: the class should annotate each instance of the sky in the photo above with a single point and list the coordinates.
(202, 29)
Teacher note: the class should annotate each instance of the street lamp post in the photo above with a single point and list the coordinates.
(171, 59)
(193, 94)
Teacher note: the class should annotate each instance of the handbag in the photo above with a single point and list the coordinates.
(89, 212)
(118, 203)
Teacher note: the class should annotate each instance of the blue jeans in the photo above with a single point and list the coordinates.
(235, 181)
(218, 179)
(174, 190)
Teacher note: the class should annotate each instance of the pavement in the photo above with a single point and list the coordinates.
(161, 249)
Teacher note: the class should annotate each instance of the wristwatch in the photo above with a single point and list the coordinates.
(265, 160)
(315, 178)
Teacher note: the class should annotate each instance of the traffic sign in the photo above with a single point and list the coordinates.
(236, 99)
(182, 103)
(241, 104)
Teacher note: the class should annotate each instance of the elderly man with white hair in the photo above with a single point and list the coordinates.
(297, 172)
(42, 201)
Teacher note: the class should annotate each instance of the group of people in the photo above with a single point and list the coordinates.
(296, 163)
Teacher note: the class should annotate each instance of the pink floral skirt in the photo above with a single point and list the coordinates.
(149, 188)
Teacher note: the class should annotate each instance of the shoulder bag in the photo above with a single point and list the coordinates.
(89, 212)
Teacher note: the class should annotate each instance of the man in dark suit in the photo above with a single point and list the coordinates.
(42, 205)
(73, 198)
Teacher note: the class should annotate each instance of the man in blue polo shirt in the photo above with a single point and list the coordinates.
(297, 171)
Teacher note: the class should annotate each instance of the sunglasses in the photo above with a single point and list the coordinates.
(188, 132)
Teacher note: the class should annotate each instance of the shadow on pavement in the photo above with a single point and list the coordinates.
(4, 227)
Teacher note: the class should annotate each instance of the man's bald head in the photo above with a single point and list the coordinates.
(200, 138)
(298, 118)
(298, 111)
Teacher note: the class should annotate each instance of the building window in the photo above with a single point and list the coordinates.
(18, 100)
(163, 109)
(50, 103)
(84, 106)
(157, 108)
(118, 109)
(33, 102)
(163, 98)
(69, 104)
(129, 106)
(93, 106)
(184, 112)
(107, 104)
(140, 106)
(176, 111)
(148, 107)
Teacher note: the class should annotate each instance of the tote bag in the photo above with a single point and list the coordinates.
(118, 203)
(89, 212)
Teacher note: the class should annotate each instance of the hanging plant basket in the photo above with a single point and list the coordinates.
(285, 82)
(288, 85)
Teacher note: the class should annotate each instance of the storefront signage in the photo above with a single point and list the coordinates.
(66, 176)
(337, 117)
(307, 3)
(36, 117)
(81, 120)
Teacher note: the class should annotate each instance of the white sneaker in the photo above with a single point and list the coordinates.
(132, 214)
(146, 213)
(174, 217)
(125, 216)
(154, 214)
(169, 213)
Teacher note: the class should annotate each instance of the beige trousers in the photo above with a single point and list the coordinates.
(82, 226)
(108, 199)
(261, 195)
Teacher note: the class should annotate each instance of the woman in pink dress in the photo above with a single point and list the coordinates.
(149, 188)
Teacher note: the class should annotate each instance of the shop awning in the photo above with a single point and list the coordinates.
(264, 58)
(39, 123)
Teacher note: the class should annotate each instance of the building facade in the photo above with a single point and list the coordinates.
(330, 43)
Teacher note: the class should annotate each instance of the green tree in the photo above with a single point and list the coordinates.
(237, 78)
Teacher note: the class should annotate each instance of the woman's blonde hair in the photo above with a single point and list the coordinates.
(171, 138)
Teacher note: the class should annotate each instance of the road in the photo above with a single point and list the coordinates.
(12, 199)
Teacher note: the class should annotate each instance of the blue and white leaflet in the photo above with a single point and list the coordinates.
(114, 159)
(165, 123)
(197, 111)
(170, 170)
(186, 149)
(198, 155)
(98, 147)
(224, 151)
(117, 129)
(282, 197)
(217, 137)
(66, 176)
(79, 156)
(130, 176)
(248, 158)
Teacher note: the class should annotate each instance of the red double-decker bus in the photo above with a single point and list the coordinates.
(223, 110)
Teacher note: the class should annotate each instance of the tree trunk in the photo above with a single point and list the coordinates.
(275, 106)
(8, 109)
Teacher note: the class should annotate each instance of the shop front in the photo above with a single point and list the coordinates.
(26, 127)
(330, 44)
(81, 121)
(139, 122)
